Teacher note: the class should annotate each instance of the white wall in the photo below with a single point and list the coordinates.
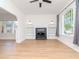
(7, 5)
(68, 40)
(41, 20)
(38, 21)
(21, 19)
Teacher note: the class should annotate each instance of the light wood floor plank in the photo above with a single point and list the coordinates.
(36, 49)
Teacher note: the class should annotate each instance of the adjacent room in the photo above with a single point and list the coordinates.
(39, 29)
(7, 32)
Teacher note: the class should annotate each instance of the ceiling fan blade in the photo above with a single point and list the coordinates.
(47, 1)
(33, 1)
(40, 5)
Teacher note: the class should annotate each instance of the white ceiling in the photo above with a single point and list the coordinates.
(5, 15)
(33, 8)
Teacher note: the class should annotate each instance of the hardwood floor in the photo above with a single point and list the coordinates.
(36, 49)
(7, 48)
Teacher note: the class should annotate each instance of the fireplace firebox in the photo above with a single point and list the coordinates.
(41, 33)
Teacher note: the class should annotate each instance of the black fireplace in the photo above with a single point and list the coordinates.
(41, 33)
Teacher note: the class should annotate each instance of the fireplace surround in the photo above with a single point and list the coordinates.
(41, 33)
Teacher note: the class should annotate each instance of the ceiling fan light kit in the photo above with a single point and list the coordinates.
(40, 4)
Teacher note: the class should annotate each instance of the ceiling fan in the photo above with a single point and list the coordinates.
(40, 4)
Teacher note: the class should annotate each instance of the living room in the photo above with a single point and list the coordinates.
(39, 29)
